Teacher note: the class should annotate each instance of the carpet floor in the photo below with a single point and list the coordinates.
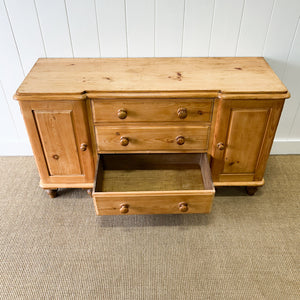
(247, 248)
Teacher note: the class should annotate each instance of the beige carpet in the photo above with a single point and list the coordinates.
(247, 248)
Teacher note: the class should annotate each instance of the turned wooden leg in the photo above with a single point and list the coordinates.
(251, 190)
(90, 192)
(52, 193)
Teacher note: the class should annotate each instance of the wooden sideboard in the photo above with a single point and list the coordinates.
(151, 135)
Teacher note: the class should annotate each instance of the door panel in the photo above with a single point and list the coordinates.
(245, 135)
(246, 128)
(57, 131)
(59, 143)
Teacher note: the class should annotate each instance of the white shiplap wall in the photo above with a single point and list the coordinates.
(144, 28)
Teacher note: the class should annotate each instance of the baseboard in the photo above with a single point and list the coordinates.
(286, 147)
(15, 148)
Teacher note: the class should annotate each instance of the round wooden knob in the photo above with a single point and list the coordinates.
(221, 146)
(124, 141)
(122, 113)
(183, 206)
(180, 140)
(55, 156)
(182, 113)
(124, 208)
(83, 146)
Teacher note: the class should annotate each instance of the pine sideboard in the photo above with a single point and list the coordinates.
(151, 135)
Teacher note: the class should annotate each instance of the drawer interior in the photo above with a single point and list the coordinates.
(152, 183)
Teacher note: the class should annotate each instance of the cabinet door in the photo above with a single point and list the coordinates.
(243, 138)
(60, 139)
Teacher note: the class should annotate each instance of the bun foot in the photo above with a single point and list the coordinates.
(90, 192)
(251, 190)
(52, 193)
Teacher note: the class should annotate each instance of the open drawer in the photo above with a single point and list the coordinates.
(153, 184)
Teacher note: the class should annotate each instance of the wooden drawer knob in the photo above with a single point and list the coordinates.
(122, 113)
(182, 113)
(83, 147)
(124, 141)
(183, 206)
(180, 140)
(221, 146)
(124, 208)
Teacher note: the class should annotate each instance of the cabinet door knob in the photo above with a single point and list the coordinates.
(180, 140)
(122, 113)
(124, 208)
(124, 141)
(182, 113)
(83, 146)
(221, 146)
(183, 206)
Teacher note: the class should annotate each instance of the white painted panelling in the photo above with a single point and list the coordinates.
(119, 28)
(7, 127)
(281, 32)
(197, 27)
(25, 24)
(83, 27)
(286, 147)
(112, 28)
(254, 27)
(11, 73)
(140, 28)
(293, 79)
(169, 27)
(54, 26)
(226, 24)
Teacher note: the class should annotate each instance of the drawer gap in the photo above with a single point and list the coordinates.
(150, 172)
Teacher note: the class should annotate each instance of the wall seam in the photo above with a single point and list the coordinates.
(40, 28)
(14, 38)
(97, 25)
(239, 33)
(211, 28)
(10, 113)
(183, 27)
(267, 34)
(70, 36)
(126, 29)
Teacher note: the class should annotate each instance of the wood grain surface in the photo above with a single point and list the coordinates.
(77, 76)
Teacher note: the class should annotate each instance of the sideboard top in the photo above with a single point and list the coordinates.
(68, 78)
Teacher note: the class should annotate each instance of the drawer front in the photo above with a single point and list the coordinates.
(153, 110)
(152, 138)
(154, 203)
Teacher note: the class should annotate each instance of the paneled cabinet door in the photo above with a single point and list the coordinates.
(243, 138)
(60, 139)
